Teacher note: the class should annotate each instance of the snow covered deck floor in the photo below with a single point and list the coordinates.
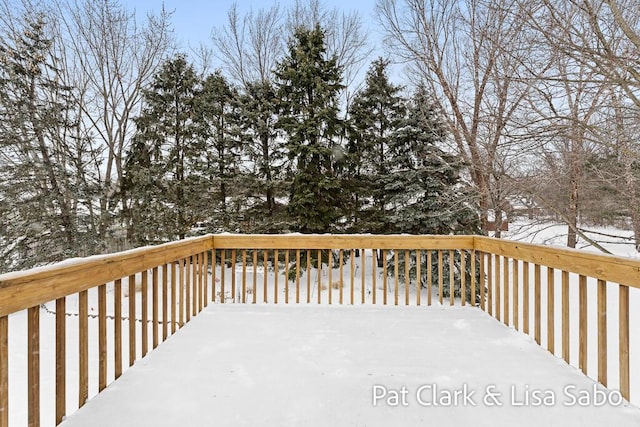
(322, 365)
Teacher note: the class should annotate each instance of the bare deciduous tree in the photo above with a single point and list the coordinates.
(471, 55)
(112, 58)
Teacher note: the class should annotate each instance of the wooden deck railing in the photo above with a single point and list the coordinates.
(175, 281)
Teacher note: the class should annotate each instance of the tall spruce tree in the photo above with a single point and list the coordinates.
(308, 85)
(425, 192)
(259, 112)
(376, 114)
(163, 179)
(218, 115)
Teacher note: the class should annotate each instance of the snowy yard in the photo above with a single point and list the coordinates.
(320, 365)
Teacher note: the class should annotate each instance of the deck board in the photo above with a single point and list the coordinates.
(317, 365)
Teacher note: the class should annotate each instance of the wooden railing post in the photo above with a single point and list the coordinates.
(602, 332)
(61, 359)
(623, 309)
(4, 371)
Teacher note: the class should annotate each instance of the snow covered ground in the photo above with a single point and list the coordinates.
(618, 242)
(350, 366)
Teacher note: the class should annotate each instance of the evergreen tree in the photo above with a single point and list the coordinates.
(218, 115)
(426, 192)
(308, 88)
(163, 179)
(376, 114)
(259, 109)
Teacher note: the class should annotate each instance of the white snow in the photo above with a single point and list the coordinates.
(320, 365)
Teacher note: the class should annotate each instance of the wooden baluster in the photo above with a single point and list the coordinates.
(407, 281)
(102, 337)
(223, 269)
(452, 280)
(537, 305)
(384, 277)
(429, 276)
(255, 276)
(174, 289)
(286, 277)
(582, 333)
(395, 271)
(473, 278)
(33, 364)
(505, 272)
(117, 328)
(374, 263)
(4, 371)
(490, 284)
(205, 278)
(551, 325)
(565, 317)
(308, 276)
(61, 360)
(525, 297)
(145, 314)
(154, 306)
(353, 272)
(275, 284)
(203, 282)
(297, 276)
(362, 274)
(319, 271)
(602, 332)
(265, 267)
(83, 348)
(195, 283)
(330, 279)
(214, 263)
(481, 283)
(498, 290)
(418, 276)
(463, 275)
(233, 274)
(165, 302)
(516, 296)
(341, 261)
(440, 279)
(244, 276)
(132, 319)
(623, 338)
(188, 269)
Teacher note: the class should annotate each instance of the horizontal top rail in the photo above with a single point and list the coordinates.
(23, 289)
(340, 241)
(20, 290)
(625, 271)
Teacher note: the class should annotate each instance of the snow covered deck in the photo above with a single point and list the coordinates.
(326, 365)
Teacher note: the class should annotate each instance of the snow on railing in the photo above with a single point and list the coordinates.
(184, 276)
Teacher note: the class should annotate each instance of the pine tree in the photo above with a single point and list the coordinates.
(259, 109)
(308, 88)
(163, 180)
(218, 115)
(376, 113)
(426, 192)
